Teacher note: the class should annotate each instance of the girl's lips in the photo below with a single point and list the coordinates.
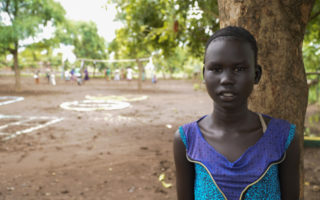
(227, 96)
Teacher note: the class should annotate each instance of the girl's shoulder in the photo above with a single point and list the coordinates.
(280, 129)
(187, 132)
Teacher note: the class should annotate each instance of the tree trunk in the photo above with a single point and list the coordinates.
(140, 74)
(94, 69)
(279, 28)
(16, 68)
(163, 74)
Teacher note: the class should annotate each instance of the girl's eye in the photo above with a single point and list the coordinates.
(240, 68)
(216, 69)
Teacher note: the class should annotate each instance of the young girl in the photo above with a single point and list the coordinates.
(234, 153)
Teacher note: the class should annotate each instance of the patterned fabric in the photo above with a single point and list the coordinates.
(267, 188)
(255, 173)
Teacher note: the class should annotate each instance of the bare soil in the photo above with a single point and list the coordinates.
(103, 154)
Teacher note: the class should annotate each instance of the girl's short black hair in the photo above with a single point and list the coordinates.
(237, 33)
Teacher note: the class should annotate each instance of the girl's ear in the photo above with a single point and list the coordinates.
(258, 74)
(203, 69)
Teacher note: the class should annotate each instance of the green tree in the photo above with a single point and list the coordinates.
(40, 52)
(148, 27)
(170, 27)
(87, 42)
(144, 27)
(3, 61)
(311, 52)
(21, 19)
(85, 39)
(172, 63)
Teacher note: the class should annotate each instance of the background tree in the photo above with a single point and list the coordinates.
(84, 37)
(148, 27)
(35, 54)
(21, 19)
(87, 42)
(168, 27)
(173, 63)
(3, 60)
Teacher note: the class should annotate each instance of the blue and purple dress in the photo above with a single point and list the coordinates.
(253, 176)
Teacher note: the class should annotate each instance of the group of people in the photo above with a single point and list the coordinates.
(126, 74)
(50, 76)
(120, 74)
(79, 76)
(73, 75)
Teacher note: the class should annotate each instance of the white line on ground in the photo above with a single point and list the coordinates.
(11, 99)
(51, 120)
(91, 105)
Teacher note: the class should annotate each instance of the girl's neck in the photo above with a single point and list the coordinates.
(226, 117)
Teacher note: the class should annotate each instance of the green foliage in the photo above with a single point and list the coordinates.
(176, 29)
(87, 43)
(311, 58)
(142, 28)
(312, 125)
(180, 61)
(3, 61)
(85, 39)
(171, 63)
(41, 53)
(311, 51)
(21, 19)
(313, 26)
(199, 20)
(311, 44)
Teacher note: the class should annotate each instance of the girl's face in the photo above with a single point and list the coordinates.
(229, 72)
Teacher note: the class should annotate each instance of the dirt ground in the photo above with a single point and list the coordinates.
(102, 154)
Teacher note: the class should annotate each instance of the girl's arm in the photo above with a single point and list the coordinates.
(289, 171)
(184, 170)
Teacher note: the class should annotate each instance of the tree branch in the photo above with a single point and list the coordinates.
(6, 48)
(314, 16)
(3, 63)
(312, 82)
(7, 10)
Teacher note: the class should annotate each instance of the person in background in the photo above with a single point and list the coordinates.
(36, 77)
(129, 74)
(52, 78)
(108, 74)
(86, 75)
(117, 75)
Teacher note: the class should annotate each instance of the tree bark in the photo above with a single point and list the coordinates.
(16, 67)
(279, 28)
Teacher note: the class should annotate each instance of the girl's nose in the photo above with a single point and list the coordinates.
(227, 78)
